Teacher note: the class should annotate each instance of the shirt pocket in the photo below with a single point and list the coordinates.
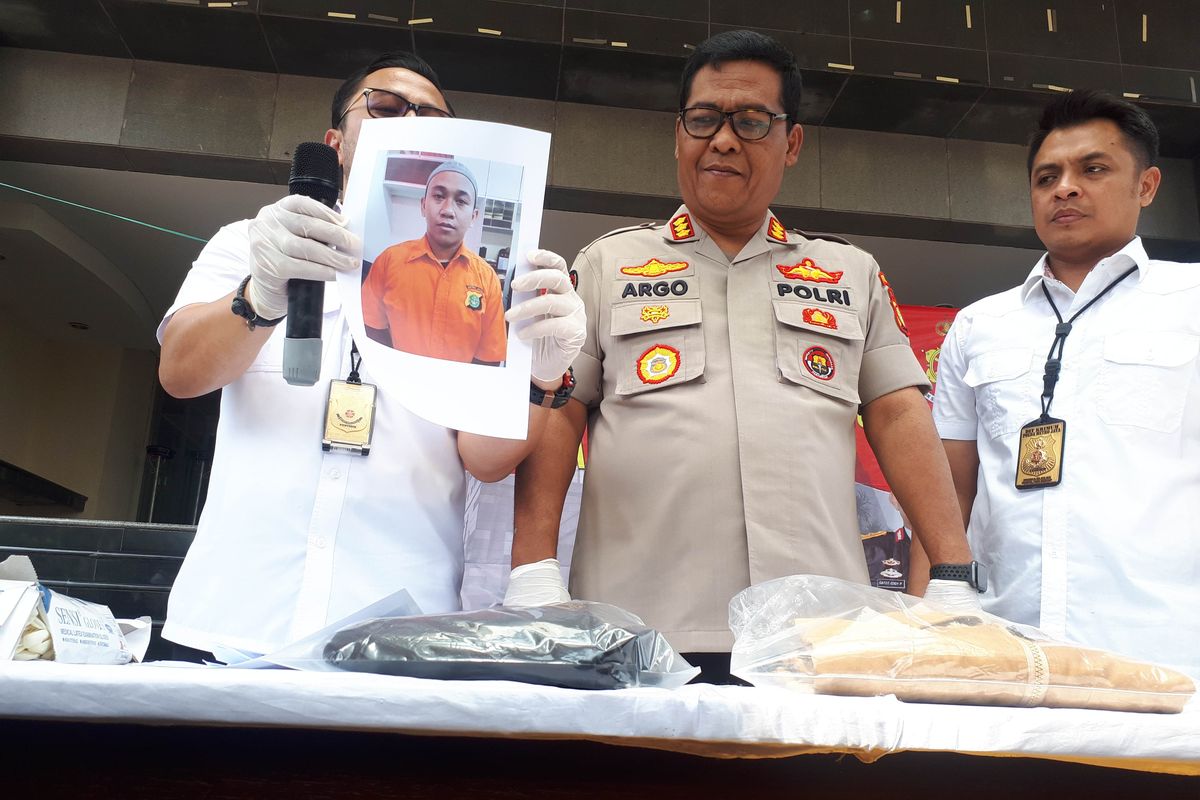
(1145, 378)
(818, 347)
(1007, 389)
(658, 343)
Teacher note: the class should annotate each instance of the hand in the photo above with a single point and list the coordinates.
(295, 238)
(559, 335)
(954, 597)
(536, 584)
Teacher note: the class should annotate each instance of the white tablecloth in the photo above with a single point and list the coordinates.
(721, 721)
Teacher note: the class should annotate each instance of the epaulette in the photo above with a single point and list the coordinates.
(643, 226)
(828, 237)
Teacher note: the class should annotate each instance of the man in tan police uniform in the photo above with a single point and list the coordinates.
(726, 361)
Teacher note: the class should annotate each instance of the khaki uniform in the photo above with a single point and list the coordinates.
(723, 398)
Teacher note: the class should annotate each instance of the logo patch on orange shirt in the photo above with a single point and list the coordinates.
(655, 268)
(807, 270)
(474, 299)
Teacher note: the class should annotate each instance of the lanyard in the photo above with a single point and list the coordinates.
(1061, 331)
(354, 365)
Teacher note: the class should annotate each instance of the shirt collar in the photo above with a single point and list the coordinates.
(1131, 255)
(426, 250)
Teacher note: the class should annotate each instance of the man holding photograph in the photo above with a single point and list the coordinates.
(295, 536)
(432, 296)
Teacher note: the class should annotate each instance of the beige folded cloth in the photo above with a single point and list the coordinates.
(926, 655)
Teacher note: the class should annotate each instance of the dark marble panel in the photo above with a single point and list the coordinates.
(1172, 85)
(809, 16)
(56, 566)
(216, 37)
(1011, 71)
(1178, 131)
(491, 65)
(135, 571)
(897, 105)
(641, 34)
(60, 537)
(328, 48)
(937, 22)
(915, 60)
(72, 26)
(1082, 29)
(812, 50)
(1171, 28)
(1002, 116)
(611, 78)
(821, 88)
(666, 9)
(156, 542)
(196, 165)
(513, 20)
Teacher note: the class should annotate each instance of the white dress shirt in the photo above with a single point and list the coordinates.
(1110, 557)
(291, 537)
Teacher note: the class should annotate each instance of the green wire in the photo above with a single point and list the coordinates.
(105, 213)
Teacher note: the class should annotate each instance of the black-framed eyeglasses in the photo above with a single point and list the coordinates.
(382, 104)
(749, 124)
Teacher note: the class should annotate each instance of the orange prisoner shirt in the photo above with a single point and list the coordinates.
(454, 312)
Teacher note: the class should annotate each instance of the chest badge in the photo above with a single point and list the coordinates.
(807, 270)
(817, 316)
(655, 314)
(655, 268)
(474, 299)
(658, 364)
(895, 306)
(819, 363)
(776, 232)
(681, 228)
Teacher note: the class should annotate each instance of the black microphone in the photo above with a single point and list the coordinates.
(316, 173)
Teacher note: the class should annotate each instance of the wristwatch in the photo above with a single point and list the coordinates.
(556, 399)
(975, 574)
(241, 307)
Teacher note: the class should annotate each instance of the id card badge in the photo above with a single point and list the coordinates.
(1040, 455)
(350, 417)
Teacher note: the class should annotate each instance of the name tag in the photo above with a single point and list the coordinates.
(349, 417)
(1040, 455)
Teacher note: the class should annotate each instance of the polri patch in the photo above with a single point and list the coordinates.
(776, 232)
(681, 228)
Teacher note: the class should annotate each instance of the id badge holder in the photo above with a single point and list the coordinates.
(1040, 453)
(349, 417)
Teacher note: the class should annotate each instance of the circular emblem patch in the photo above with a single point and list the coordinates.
(819, 363)
(658, 364)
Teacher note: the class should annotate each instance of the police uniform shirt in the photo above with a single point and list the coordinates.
(723, 397)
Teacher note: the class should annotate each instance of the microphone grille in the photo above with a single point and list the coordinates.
(315, 172)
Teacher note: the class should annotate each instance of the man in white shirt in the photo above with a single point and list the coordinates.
(1069, 406)
(292, 536)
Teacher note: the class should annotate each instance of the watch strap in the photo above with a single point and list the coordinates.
(556, 399)
(972, 573)
(241, 307)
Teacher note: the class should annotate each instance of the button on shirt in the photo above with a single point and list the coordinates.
(1110, 557)
(293, 538)
(454, 312)
(723, 397)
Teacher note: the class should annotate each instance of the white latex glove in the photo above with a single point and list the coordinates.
(562, 328)
(536, 584)
(295, 238)
(954, 597)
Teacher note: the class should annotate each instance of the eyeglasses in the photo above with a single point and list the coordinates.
(382, 104)
(748, 124)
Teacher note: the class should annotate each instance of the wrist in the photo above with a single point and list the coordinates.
(555, 396)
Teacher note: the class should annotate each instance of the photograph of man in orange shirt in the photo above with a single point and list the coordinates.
(432, 296)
